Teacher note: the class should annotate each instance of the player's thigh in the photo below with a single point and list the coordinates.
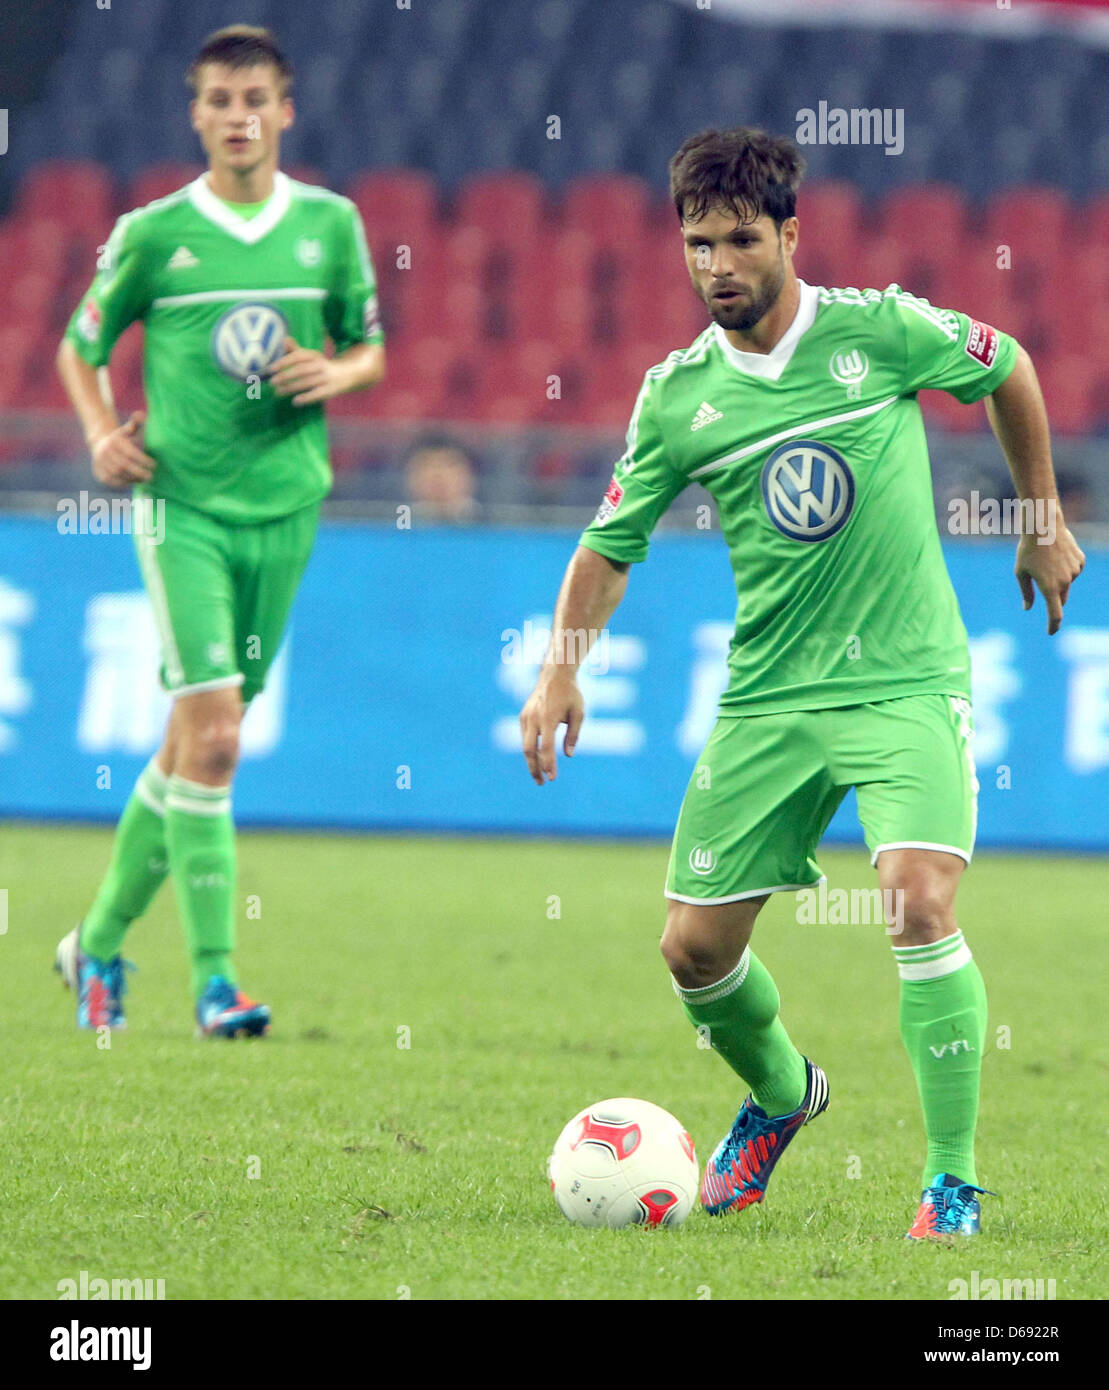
(911, 763)
(187, 574)
(756, 806)
(269, 563)
(918, 891)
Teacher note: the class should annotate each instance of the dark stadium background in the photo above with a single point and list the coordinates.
(533, 257)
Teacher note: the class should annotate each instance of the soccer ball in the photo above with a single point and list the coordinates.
(622, 1163)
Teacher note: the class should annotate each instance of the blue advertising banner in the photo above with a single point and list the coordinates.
(394, 702)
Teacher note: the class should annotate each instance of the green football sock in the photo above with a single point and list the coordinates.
(200, 835)
(740, 1014)
(137, 868)
(943, 1025)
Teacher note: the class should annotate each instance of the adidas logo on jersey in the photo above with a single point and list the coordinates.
(705, 416)
(182, 259)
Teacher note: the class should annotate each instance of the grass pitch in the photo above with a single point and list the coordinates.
(435, 1025)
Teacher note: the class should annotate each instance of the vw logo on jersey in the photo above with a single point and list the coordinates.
(808, 490)
(249, 339)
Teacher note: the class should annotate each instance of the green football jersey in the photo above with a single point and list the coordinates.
(816, 457)
(217, 293)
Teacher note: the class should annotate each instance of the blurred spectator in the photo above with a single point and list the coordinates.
(439, 476)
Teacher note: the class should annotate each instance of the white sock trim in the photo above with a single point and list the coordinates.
(935, 969)
(709, 994)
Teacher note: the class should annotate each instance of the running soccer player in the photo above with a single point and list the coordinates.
(797, 410)
(237, 279)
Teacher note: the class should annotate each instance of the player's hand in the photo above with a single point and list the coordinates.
(118, 458)
(1053, 568)
(306, 375)
(555, 700)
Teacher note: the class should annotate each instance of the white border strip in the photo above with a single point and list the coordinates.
(739, 897)
(919, 844)
(794, 433)
(936, 969)
(1028, 21)
(218, 683)
(220, 296)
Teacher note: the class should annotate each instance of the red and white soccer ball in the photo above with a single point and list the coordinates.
(622, 1163)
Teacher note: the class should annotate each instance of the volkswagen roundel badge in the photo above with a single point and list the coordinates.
(249, 339)
(808, 489)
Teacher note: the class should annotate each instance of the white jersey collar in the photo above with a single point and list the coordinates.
(770, 365)
(245, 229)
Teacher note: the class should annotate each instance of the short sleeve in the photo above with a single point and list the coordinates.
(116, 298)
(951, 351)
(643, 486)
(351, 310)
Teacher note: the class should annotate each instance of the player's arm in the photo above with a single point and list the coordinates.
(643, 486)
(353, 322)
(1019, 420)
(117, 455)
(591, 592)
(118, 296)
(972, 361)
(310, 376)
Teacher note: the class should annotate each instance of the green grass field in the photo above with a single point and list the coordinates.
(327, 1161)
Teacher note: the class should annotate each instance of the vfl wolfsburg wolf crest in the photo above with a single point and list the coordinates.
(249, 339)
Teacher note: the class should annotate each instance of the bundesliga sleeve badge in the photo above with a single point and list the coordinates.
(611, 502)
(982, 343)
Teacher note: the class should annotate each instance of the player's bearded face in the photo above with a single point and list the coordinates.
(737, 268)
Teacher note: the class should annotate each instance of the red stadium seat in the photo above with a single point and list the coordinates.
(929, 219)
(17, 343)
(1092, 222)
(612, 208)
(77, 193)
(945, 412)
(1034, 223)
(831, 225)
(400, 212)
(159, 182)
(511, 208)
(395, 205)
(305, 173)
(1068, 384)
(551, 290)
(417, 375)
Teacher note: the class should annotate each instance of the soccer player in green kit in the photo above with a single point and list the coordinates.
(797, 410)
(237, 278)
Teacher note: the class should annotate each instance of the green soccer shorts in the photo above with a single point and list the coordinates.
(766, 786)
(222, 594)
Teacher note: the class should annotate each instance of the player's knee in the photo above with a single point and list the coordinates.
(926, 911)
(210, 751)
(692, 961)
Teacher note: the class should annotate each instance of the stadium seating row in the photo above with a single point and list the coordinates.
(515, 305)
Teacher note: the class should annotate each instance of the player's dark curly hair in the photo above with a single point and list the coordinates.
(241, 46)
(745, 169)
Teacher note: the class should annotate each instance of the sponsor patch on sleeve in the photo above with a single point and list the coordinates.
(982, 343)
(88, 321)
(611, 502)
